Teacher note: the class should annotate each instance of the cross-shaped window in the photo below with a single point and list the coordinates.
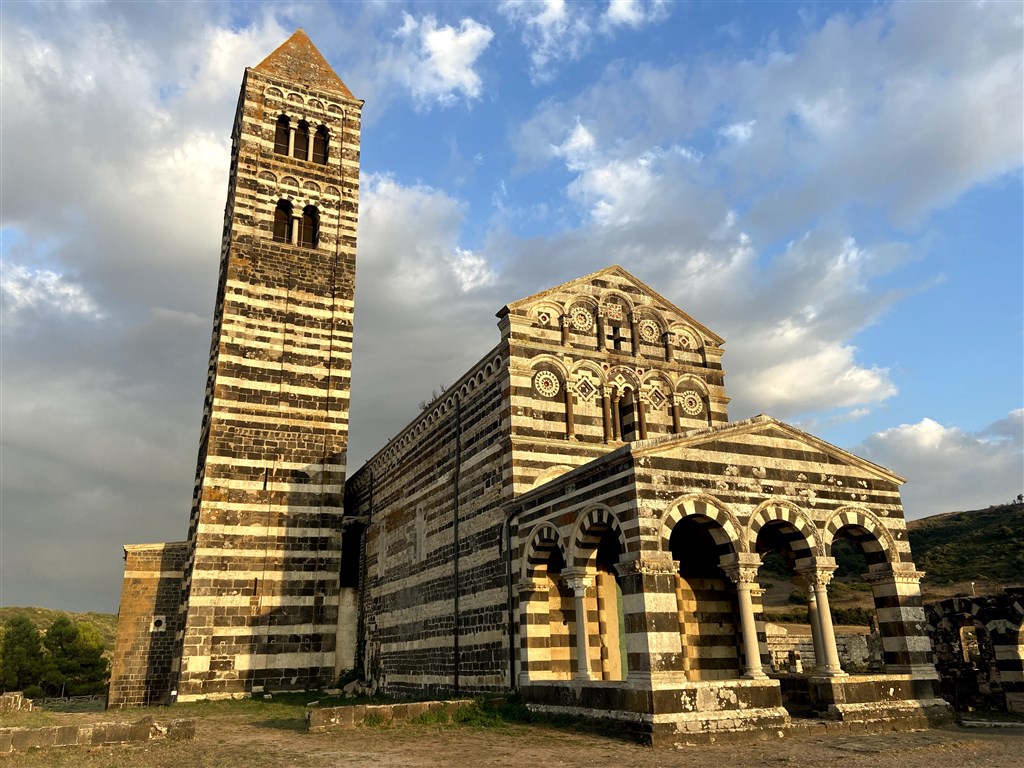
(616, 337)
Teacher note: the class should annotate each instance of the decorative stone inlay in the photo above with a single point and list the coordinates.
(649, 331)
(546, 383)
(657, 398)
(544, 318)
(613, 311)
(692, 403)
(581, 319)
(585, 389)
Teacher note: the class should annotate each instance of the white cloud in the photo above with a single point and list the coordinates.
(949, 469)
(23, 290)
(437, 62)
(552, 30)
(633, 13)
(898, 110)
(738, 132)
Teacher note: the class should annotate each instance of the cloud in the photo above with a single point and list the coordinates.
(949, 469)
(24, 290)
(437, 62)
(555, 31)
(633, 13)
(900, 110)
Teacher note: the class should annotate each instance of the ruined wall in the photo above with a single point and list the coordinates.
(146, 650)
(455, 454)
(262, 594)
(979, 650)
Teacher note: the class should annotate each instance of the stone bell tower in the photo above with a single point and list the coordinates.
(260, 591)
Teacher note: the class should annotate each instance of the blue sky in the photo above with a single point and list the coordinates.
(836, 189)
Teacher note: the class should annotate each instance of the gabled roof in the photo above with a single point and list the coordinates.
(297, 60)
(761, 424)
(617, 271)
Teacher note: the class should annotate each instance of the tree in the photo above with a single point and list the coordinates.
(21, 656)
(75, 664)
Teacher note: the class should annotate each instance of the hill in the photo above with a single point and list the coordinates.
(981, 545)
(105, 623)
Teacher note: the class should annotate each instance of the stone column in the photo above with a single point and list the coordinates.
(607, 411)
(653, 644)
(817, 578)
(616, 416)
(310, 138)
(812, 619)
(296, 226)
(602, 339)
(291, 140)
(634, 335)
(675, 414)
(743, 572)
(641, 416)
(570, 425)
(579, 583)
(534, 630)
(564, 325)
(906, 646)
(670, 343)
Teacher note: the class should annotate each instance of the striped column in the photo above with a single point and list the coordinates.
(651, 615)
(906, 647)
(534, 631)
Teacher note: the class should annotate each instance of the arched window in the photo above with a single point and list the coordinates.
(309, 232)
(301, 141)
(281, 135)
(283, 222)
(320, 146)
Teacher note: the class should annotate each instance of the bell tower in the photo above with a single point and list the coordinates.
(260, 591)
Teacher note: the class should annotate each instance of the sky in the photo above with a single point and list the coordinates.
(835, 189)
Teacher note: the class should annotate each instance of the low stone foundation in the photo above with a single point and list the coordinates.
(669, 711)
(15, 701)
(861, 698)
(93, 735)
(330, 718)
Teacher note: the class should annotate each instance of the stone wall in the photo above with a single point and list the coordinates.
(434, 583)
(93, 735)
(147, 652)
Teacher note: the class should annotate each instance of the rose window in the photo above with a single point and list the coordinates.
(692, 403)
(546, 383)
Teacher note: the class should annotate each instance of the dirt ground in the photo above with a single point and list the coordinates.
(224, 741)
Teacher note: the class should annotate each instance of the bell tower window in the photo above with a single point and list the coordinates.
(309, 227)
(281, 132)
(301, 141)
(320, 146)
(283, 222)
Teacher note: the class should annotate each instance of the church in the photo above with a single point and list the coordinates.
(575, 520)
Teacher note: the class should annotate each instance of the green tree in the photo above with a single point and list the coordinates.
(21, 656)
(75, 664)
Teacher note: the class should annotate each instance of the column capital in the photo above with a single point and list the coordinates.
(742, 568)
(578, 580)
(819, 573)
(527, 587)
(894, 575)
(646, 562)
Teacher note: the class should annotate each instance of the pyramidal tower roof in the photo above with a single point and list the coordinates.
(298, 60)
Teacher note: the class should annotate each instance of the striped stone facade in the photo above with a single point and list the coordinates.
(575, 518)
(260, 601)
